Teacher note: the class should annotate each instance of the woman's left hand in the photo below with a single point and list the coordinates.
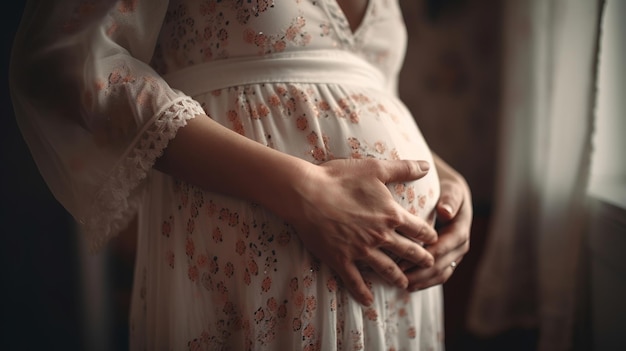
(454, 213)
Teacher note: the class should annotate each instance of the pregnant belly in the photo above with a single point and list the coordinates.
(324, 122)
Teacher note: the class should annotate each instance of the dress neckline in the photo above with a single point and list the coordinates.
(340, 20)
(361, 21)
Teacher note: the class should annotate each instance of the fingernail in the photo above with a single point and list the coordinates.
(367, 302)
(423, 165)
(447, 208)
(402, 283)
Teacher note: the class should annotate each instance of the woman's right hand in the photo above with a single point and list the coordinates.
(347, 217)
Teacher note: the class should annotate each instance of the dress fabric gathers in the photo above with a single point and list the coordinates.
(215, 272)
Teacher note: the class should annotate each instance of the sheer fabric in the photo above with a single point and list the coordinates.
(100, 89)
(530, 274)
(91, 109)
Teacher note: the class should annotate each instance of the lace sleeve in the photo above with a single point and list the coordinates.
(93, 112)
(117, 201)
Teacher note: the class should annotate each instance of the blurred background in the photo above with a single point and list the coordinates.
(56, 296)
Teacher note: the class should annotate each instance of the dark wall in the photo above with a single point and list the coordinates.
(451, 83)
(39, 269)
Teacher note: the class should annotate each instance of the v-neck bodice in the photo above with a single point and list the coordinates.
(354, 27)
(217, 30)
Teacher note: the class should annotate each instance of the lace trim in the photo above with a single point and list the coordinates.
(119, 199)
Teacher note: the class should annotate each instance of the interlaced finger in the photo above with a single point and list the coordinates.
(404, 249)
(354, 282)
(417, 229)
(386, 268)
(450, 239)
(438, 274)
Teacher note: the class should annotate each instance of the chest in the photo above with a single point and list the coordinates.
(354, 11)
(197, 31)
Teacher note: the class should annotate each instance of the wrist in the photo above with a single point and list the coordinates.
(284, 187)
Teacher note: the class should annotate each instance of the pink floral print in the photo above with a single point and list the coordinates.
(245, 279)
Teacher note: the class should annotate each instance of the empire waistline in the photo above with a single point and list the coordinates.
(317, 67)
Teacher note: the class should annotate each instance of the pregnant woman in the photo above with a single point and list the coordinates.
(266, 153)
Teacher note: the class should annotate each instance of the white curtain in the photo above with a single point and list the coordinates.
(529, 274)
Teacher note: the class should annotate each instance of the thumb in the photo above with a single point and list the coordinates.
(393, 171)
(450, 200)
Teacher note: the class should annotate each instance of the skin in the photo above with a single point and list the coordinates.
(354, 10)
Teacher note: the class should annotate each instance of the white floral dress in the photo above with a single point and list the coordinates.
(215, 272)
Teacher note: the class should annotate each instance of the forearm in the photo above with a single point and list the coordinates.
(217, 159)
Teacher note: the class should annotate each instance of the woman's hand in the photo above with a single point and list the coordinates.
(454, 212)
(348, 216)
